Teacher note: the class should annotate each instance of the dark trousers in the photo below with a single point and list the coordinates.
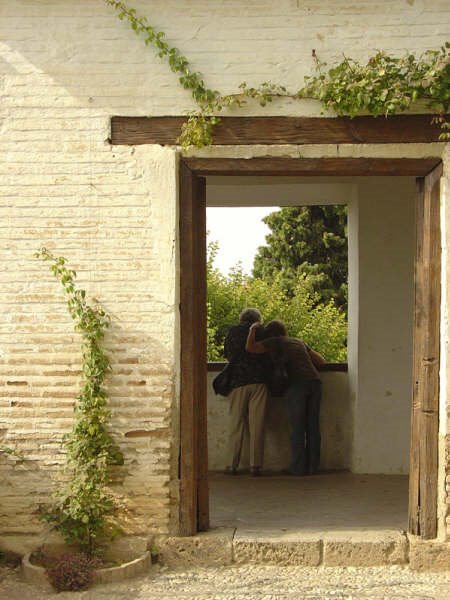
(303, 403)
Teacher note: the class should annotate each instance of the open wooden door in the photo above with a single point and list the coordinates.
(194, 495)
(425, 409)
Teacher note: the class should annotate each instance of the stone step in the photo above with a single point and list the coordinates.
(359, 548)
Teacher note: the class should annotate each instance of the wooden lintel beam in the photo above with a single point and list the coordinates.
(305, 167)
(282, 130)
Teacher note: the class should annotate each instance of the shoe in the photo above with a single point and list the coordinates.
(255, 471)
(230, 471)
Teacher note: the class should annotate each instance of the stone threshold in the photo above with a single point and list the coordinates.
(358, 548)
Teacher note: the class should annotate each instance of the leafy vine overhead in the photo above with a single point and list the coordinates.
(84, 504)
(385, 85)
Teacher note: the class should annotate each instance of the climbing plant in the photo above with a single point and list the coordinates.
(385, 85)
(84, 504)
(197, 131)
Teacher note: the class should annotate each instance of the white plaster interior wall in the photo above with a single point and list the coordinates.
(386, 280)
(276, 191)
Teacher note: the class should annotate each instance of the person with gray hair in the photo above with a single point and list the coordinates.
(248, 396)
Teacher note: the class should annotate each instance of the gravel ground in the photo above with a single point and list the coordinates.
(251, 582)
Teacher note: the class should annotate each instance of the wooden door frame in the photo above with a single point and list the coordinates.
(193, 466)
(194, 510)
(423, 479)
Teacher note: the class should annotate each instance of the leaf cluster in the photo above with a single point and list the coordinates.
(385, 85)
(82, 507)
(265, 92)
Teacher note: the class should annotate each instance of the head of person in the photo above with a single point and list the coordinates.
(275, 328)
(249, 316)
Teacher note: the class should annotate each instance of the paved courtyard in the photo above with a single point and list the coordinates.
(251, 582)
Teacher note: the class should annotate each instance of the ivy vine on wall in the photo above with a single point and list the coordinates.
(81, 512)
(386, 85)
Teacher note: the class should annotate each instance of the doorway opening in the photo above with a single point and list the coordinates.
(389, 360)
(311, 302)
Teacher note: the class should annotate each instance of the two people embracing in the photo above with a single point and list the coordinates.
(254, 352)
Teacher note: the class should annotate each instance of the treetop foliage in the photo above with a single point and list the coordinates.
(307, 241)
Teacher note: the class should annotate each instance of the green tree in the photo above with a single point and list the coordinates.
(311, 241)
(322, 325)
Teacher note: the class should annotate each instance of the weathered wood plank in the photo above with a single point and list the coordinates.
(188, 381)
(194, 492)
(282, 130)
(199, 291)
(312, 167)
(414, 460)
(424, 428)
(428, 474)
(429, 367)
(431, 290)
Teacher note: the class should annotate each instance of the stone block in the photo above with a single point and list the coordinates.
(209, 548)
(277, 549)
(361, 550)
(428, 555)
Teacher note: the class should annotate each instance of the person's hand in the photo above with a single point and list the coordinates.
(255, 325)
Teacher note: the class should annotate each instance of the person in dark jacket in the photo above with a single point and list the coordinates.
(303, 394)
(248, 396)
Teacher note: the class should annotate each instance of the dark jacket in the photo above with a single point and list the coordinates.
(246, 367)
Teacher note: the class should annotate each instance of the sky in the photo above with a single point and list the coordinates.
(239, 231)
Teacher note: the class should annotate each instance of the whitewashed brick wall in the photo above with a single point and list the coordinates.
(65, 68)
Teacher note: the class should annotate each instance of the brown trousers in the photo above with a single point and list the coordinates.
(247, 404)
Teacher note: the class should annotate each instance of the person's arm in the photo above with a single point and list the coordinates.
(317, 359)
(252, 345)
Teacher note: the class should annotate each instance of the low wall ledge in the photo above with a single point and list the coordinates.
(218, 366)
